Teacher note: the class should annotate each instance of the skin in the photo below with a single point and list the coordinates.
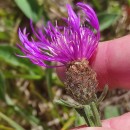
(111, 62)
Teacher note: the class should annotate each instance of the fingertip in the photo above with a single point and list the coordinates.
(92, 128)
(118, 123)
(97, 128)
(111, 63)
(83, 127)
(98, 64)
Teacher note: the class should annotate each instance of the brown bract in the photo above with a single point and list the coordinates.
(80, 81)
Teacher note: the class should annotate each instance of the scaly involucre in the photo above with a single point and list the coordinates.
(64, 44)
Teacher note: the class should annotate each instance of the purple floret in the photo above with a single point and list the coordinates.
(63, 44)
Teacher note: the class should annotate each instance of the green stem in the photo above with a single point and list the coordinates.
(95, 114)
(89, 115)
(49, 83)
(11, 122)
(82, 114)
(103, 94)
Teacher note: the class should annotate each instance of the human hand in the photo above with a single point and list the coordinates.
(116, 123)
(112, 64)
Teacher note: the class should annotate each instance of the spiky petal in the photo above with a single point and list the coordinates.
(63, 44)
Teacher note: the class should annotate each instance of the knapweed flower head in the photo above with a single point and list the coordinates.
(74, 41)
(72, 45)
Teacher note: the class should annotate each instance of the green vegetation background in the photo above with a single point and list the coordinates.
(26, 90)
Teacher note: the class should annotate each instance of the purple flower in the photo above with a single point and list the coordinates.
(75, 41)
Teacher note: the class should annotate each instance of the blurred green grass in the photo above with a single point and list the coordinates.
(26, 90)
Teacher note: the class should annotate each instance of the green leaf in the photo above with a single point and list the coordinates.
(106, 20)
(2, 86)
(111, 111)
(4, 36)
(8, 55)
(11, 122)
(97, 4)
(67, 103)
(62, 102)
(27, 115)
(30, 8)
(69, 123)
(10, 75)
(3, 127)
(129, 2)
(79, 120)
